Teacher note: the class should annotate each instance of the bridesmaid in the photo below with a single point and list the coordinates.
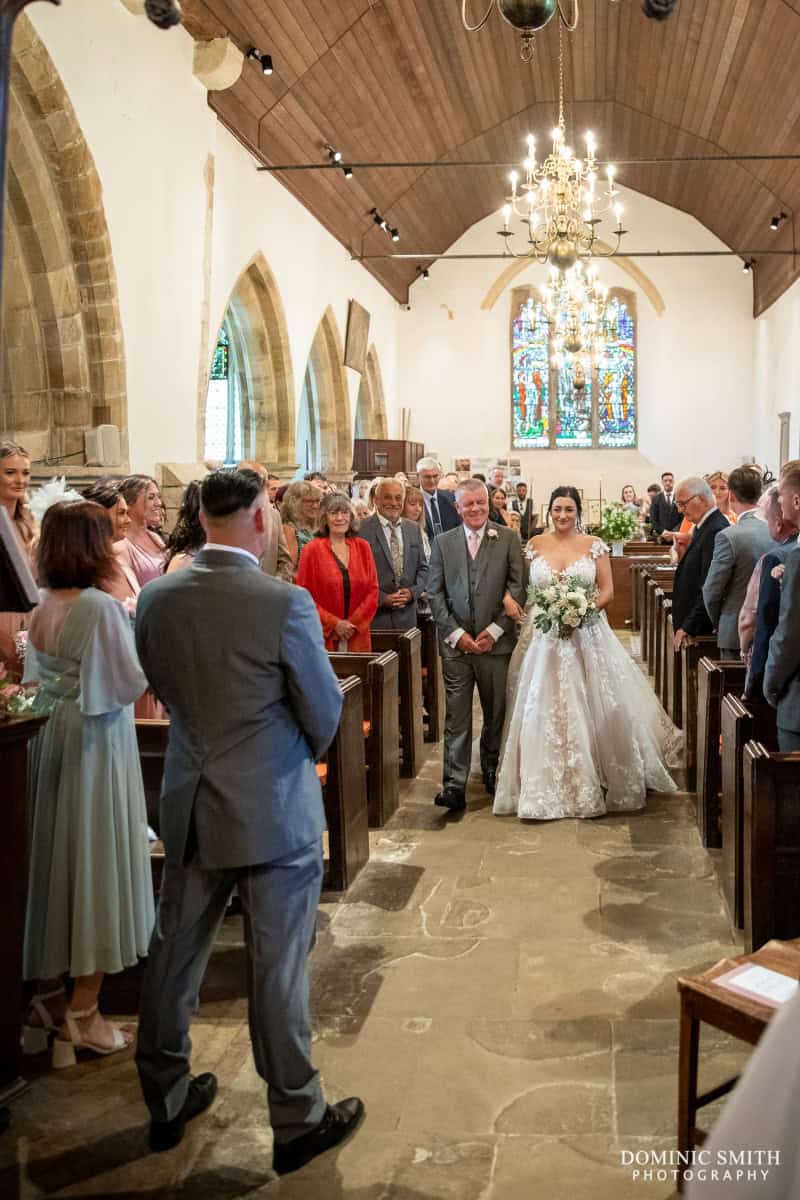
(188, 536)
(143, 550)
(90, 896)
(15, 473)
(123, 585)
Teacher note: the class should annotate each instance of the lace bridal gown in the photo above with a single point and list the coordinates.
(584, 733)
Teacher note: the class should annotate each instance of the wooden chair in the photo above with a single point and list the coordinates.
(344, 792)
(771, 845)
(380, 676)
(703, 1000)
(432, 682)
(692, 650)
(714, 679)
(408, 647)
(741, 722)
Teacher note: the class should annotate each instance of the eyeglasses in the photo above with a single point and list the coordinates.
(682, 503)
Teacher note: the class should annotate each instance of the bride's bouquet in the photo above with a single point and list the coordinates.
(563, 606)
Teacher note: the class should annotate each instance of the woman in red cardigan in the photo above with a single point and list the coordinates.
(338, 570)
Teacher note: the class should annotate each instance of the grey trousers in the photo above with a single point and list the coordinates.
(788, 740)
(279, 901)
(461, 675)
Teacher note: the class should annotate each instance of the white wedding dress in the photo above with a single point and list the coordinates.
(585, 734)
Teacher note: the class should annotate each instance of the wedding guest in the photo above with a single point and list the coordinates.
(273, 485)
(499, 512)
(629, 500)
(188, 536)
(782, 671)
(401, 475)
(522, 504)
(15, 474)
(758, 619)
(143, 550)
(361, 509)
(399, 556)
(90, 897)
(694, 498)
(718, 482)
(736, 551)
(653, 490)
(414, 510)
(277, 559)
(299, 510)
(319, 480)
(251, 709)
(123, 585)
(497, 477)
(449, 482)
(664, 512)
(338, 569)
(440, 511)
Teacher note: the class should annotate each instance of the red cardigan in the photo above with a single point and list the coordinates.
(319, 572)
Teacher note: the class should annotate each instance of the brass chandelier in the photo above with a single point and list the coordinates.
(558, 199)
(575, 303)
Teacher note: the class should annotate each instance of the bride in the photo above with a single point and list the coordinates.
(584, 733)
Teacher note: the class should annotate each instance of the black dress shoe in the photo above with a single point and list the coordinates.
(339, 1123)
(166, 1134)
(490, 781)
(455, 801)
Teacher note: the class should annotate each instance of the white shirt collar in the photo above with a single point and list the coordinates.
(705, 516)
(231, 550)
(386, 523)
(478, 532)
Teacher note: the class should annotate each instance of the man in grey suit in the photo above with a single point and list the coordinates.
(239, 661)
(471, 569)
(737, 549)
(399, 558)
(782, 672)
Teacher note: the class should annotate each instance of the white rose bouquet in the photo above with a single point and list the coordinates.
(563, 606)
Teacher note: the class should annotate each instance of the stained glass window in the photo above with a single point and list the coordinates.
(572, 403)
(223, 408)
(616, 409)
(531, 375)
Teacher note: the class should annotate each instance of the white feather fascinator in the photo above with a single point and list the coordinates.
(50, 493)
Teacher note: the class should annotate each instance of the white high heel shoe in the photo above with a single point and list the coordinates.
(36, 1038)
(64, 1050)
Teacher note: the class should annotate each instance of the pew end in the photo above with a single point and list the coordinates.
(408, 647)
(771, 845)
(344, 793)
(380, 678)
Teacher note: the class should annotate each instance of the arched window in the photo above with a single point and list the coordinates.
(570, 405)
(223, 406)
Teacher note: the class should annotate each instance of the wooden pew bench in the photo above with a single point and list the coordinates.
(432, 683)
(663, 607)
(380, 677)
(714, 679)
(639, 568)
(152, 737)
(657, 581)
(407, 645)
(771, 845)
(344, 793)
(741, 722)
(692, 650)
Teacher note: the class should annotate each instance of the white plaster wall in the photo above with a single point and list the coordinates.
(775, 382)
(695, 362)
(148, 125)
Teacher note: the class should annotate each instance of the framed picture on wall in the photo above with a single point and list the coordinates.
(357, 337)
(593, 513)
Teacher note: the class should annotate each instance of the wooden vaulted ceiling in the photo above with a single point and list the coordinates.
(400, 80)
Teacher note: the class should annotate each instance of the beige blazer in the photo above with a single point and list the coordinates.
(276, 559)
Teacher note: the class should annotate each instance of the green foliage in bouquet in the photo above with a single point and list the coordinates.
(619, 524)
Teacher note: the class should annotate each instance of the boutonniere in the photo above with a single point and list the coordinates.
(491, 534)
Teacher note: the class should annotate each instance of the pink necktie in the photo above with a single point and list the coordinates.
(473, 543)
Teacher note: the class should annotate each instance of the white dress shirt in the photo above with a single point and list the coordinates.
(387, 529)
(494, 629)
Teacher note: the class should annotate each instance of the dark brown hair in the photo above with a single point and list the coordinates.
(746, 484)
(132, 486)
(75, 546)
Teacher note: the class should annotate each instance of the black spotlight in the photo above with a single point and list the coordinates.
(423, 273)
(334, 156)
(347, 172)
(659, 10)
(748, 265)
(777, 221)
(395, 235)
(263, 60)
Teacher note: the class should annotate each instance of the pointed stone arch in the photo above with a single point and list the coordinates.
(326, 415)
(62, 356)
(371, 407)
(261, 358)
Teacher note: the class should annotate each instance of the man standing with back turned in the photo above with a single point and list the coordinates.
(238, 659)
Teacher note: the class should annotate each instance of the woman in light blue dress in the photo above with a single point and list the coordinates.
(90, 897)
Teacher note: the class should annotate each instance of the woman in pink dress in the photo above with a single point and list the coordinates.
(123, 585)
(143, 550)
(15, 473)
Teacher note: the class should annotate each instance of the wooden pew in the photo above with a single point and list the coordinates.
(657, 550)
(344, 792)
(152, 737)
(714, 679)
(432, 682)
(741, 722)
(771, 846)
(663, 606)
(692, 650)
(674, 678)
(408, 647)
(380, 676)
(638, 569)
(658, 577)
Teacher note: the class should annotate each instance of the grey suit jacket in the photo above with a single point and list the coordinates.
(276, 559)
(414, 575)
(239, 661)
(782, 673)
(499, 570)
(737, 549)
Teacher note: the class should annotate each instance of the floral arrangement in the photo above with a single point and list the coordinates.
(16, 699)
(563, 606)
(619, 524)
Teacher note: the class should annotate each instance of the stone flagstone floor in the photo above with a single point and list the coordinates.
(502, 995)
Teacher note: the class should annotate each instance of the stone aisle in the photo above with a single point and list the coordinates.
(501, 994)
